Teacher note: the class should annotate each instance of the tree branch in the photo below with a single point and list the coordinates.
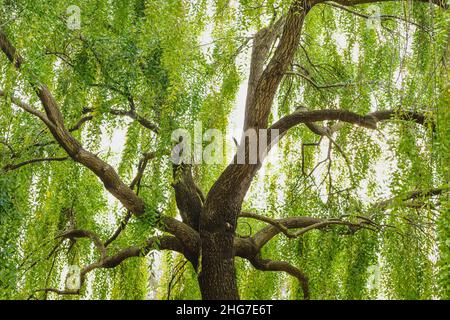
(188, 196)
(440, 3)
(26, 107)
(383, 16)
(367, 121)
(384, 204)
(11, 167)
(55, 123)
(270, 265)
(133, 115)
(273, 222)
(76, 233)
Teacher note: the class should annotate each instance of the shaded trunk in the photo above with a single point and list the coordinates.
(217, 278)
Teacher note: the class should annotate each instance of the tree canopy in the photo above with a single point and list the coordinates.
(352, 203)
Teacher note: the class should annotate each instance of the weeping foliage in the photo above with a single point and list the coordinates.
(177, 62)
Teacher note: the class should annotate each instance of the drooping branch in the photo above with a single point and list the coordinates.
(381, 16)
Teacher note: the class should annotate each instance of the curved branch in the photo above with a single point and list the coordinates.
(306, 224)
(270, 265)
(55, 122)
(80, 122)
(76, 233)
(266, 234)
(273, 222)
(155, 243)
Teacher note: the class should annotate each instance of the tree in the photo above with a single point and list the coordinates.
(350, 92)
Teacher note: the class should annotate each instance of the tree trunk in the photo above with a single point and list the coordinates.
(217, 278)
(218, 220)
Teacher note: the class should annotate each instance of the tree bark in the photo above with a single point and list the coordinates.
(223, 204)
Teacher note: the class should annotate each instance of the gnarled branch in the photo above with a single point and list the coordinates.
(55, 122)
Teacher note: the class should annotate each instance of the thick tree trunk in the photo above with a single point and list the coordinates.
(217, 278)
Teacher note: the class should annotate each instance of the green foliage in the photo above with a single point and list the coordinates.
(184, 61)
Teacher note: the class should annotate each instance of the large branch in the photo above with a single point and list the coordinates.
(155, 243)
(232, 185)
(55, 123)
(262, 43)
(369, 121)
(258, 110)
(189, 197)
